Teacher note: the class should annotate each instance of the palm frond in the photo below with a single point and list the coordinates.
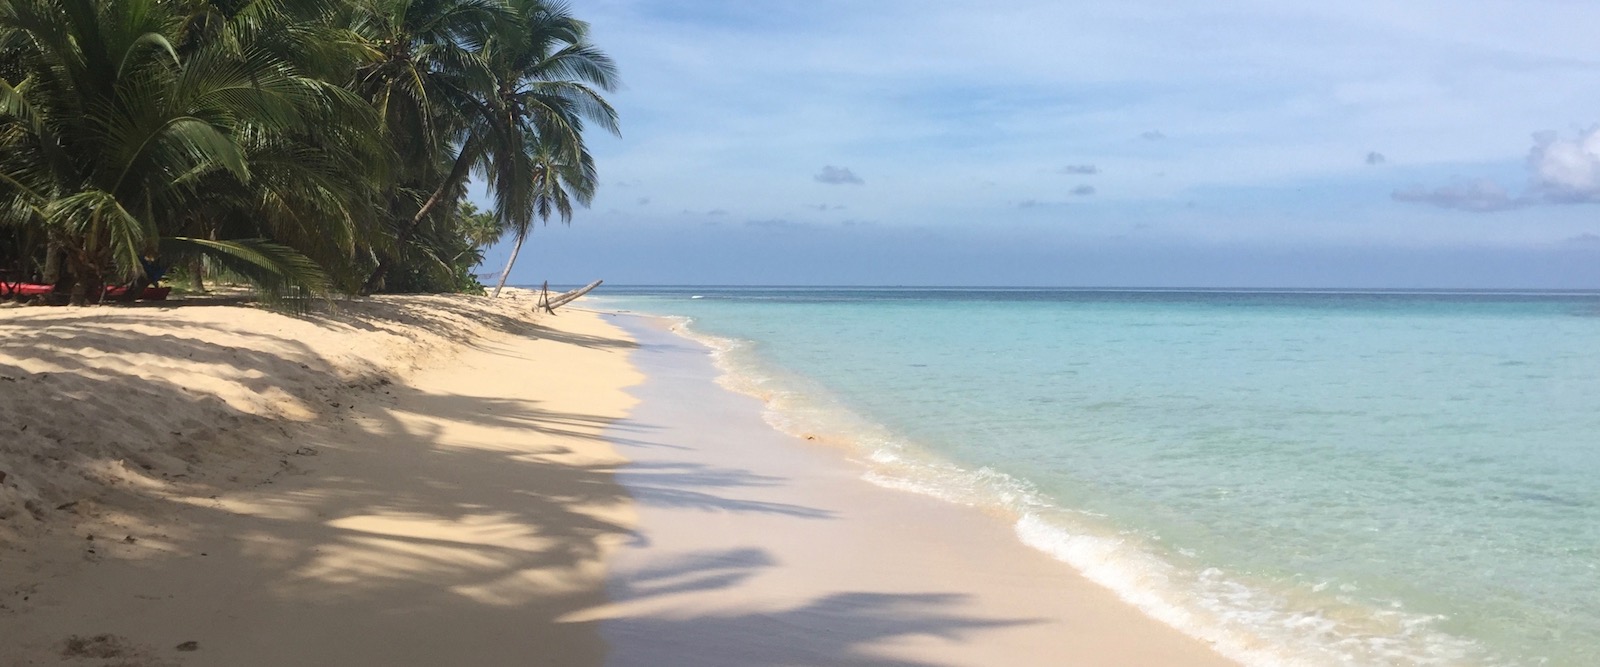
(276, 271)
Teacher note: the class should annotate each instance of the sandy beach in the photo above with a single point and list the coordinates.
(438, 480)
(412, 481)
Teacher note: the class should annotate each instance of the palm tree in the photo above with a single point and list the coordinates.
(315, 189)
(106, 132)
(550, 80)
(557, 181)
(236, 137)
(426, 77)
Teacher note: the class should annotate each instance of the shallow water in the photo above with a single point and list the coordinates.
(1305, 478)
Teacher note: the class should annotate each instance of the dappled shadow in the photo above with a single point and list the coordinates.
(841, 629)
(445, 316)
(367, 500)
(384, 524)
(686, 485)
(698, 571)
(833, 628)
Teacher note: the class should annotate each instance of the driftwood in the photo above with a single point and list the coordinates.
(550, 303)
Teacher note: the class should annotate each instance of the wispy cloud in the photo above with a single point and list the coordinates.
(644, 201)
(1083, 191)
(1481, 195)
(780, 224)
(957, 125)
(1374, 158)
(1586, 240)
(827, 207)
(832, 175)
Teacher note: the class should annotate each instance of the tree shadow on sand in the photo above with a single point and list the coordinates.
(844, 629)
(474, 537)
(474, 558)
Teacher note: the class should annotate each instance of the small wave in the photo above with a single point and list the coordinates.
(1258, 624)
(1252, 624)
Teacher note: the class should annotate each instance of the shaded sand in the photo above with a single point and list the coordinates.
(434, 481)
(415, 481)
(757, 548)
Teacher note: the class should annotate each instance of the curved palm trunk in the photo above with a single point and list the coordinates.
(507, 272)
(457, 173)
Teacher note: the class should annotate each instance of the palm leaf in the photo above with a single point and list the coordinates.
(276, 271)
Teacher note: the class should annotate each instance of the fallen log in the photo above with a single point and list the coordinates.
(554, 302)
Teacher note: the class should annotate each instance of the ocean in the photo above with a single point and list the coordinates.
(1303, 478)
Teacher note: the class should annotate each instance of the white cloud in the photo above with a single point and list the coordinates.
(1560, 171)
(1567, 170)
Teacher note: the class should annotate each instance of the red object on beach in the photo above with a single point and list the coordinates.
(151, 293)
(25, 289)
(32, 289)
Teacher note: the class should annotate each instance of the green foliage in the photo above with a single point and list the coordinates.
(444, 256)
(302, 146)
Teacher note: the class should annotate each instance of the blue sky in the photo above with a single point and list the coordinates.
(1026, 142)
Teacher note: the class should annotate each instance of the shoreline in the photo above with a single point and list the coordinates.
(778, 551)
(821, 384)
(442, 480)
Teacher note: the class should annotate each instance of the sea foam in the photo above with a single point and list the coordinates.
(1254, 624)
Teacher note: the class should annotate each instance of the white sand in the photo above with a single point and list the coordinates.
(449, 519)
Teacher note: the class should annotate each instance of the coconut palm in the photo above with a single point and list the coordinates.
(549, 82)
(296, 144)
(426, 77)
(106, 135)
(558, 178)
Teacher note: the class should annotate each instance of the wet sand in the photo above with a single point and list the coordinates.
(754, 547)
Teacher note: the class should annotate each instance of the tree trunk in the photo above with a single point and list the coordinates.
(52, 264)
(506, 273)
(78, 267)
(457, 172)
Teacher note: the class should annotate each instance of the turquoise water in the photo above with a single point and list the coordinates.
(1302, 478)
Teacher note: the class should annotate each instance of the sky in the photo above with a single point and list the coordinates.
(1231, 143)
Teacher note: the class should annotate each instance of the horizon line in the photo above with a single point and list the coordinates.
(1110, 288)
